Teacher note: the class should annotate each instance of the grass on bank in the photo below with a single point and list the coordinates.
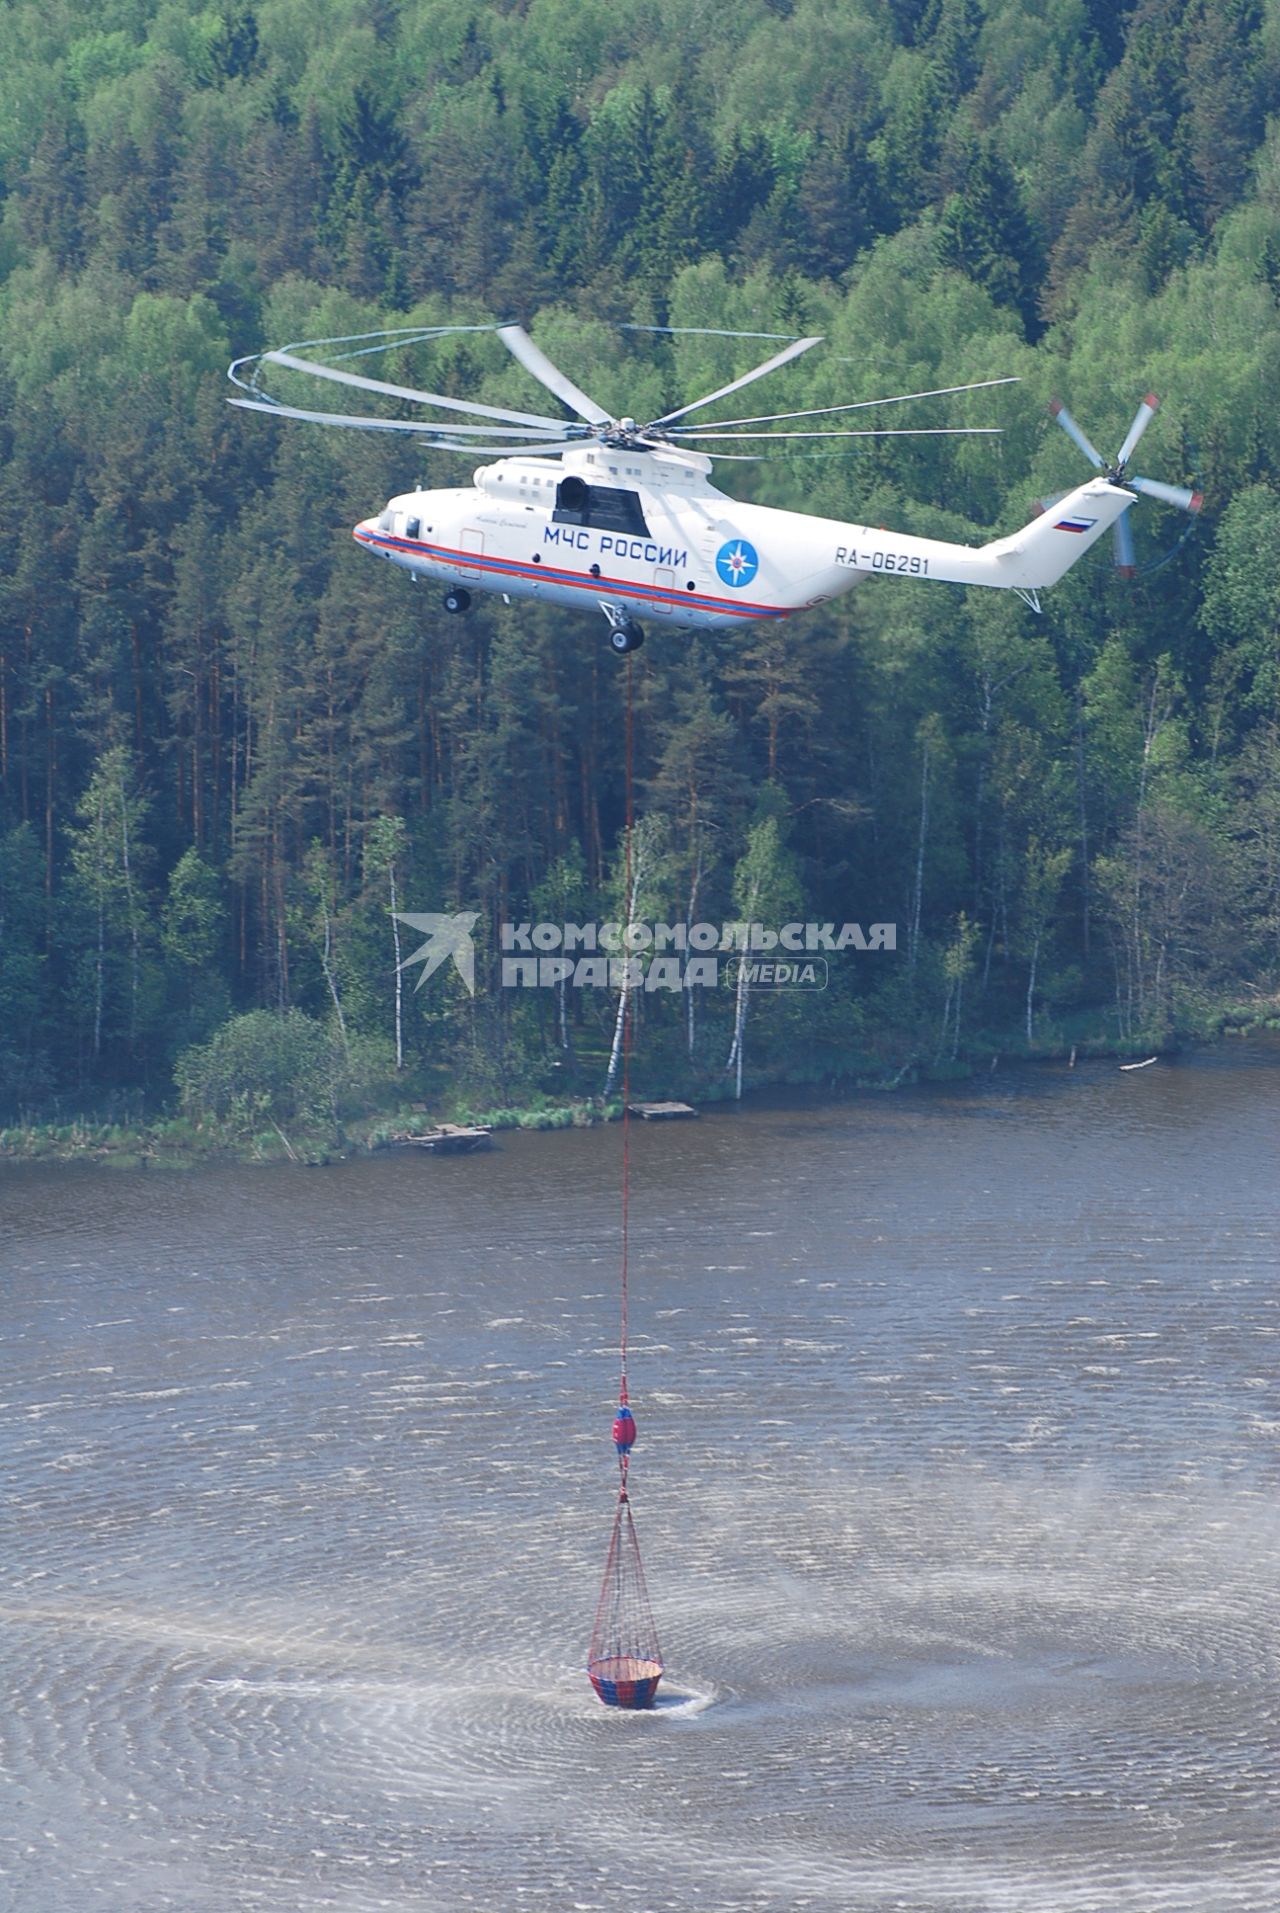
(245, 1127)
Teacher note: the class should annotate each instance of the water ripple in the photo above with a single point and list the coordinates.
(959, 1422)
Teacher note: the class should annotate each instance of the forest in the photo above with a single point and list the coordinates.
(231, 745)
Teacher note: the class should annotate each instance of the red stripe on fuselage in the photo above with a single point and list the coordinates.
(475, 561)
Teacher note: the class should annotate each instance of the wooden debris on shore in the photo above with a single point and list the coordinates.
(661, 1112)
(447, 1139)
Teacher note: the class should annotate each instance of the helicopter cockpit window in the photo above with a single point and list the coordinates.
(599, 507)
(414, 528)
(387, 521)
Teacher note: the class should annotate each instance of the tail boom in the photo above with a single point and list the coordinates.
(1028, 560)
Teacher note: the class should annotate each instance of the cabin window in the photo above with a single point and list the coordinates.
(599, 507)
(414, 528)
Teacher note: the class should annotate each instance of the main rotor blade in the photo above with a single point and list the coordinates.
(861, 405)
(784, 357)
(1179, 495)
(535, 360)
(704, 332)
(331, 418)
(1142, 418)
(409, 392)
(439, 438)
(1074, 433)
(536, 450)
(904, 431)
(1126, 557)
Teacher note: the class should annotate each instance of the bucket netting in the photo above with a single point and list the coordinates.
(624, 1661)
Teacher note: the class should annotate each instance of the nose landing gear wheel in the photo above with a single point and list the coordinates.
(457, 599)
(626, 637)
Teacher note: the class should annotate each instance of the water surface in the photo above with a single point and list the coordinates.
(959, 1424)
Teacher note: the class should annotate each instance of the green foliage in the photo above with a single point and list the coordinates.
(1241, 609)
(193, 918)
(115, 980)
(267, 1067)
(260, 1065)
(193, 928)
(22, 965)
(230, 748)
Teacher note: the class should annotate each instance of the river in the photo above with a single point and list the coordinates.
(959, 1422)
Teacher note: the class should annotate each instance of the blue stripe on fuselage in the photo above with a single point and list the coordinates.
(514, 567)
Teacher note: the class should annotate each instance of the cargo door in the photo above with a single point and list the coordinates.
(665, 581)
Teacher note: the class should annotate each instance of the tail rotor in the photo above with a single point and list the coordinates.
(1182, 497)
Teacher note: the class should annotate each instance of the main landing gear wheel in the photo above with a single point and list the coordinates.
(626, 637)
(457, 599)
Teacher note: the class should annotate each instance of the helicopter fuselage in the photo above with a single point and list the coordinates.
(637, 533)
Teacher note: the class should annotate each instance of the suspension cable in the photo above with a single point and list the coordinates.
(626, 1052)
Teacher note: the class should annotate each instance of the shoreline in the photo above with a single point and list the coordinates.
(175, 1141)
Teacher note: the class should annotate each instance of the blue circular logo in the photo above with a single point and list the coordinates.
(736, 562)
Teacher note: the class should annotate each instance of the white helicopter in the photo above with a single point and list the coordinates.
(609, 513)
